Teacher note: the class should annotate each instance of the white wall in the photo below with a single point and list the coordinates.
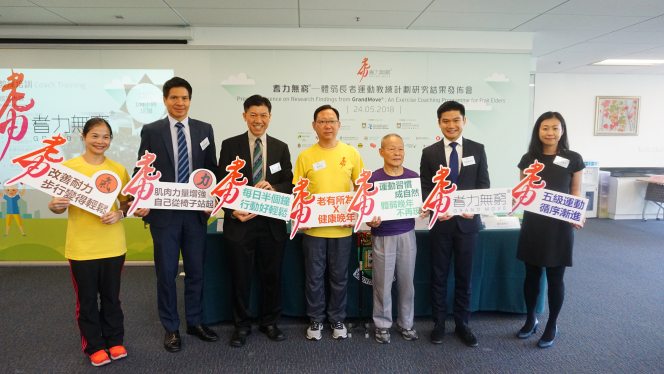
(574, 95)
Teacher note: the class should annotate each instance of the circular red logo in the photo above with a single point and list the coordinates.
(203, 179)
(106, 183)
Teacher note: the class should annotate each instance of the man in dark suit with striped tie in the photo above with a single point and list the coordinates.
(182, 145)
(268, 166)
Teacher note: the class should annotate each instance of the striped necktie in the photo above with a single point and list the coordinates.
(183, 155)
(258, 162)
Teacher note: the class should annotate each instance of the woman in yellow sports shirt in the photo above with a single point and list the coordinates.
(96, 251)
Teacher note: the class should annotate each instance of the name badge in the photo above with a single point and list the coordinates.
(319, 165)
(205, 143)
(275, 168)
(560, 161)
(498, 223)
(467, 161)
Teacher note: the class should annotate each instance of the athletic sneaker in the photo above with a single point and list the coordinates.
(339, 330)
(100, 358)
(382, 335)
(314, 330)
(408, 334)
(117, 352)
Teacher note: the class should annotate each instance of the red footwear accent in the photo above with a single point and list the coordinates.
(117, 352)
(100, 358)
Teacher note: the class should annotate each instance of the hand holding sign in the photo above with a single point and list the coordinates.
(150, 193)
(227, 190)
(524, 192)
(362, 203)
(300, 212)
(534, 198)
(438, 200)
(246, 201)
(43, 172)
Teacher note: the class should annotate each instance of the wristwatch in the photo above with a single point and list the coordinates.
(123, 215)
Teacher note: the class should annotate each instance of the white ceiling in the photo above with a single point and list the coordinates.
(568, 35)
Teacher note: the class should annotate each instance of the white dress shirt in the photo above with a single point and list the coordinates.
(174, 137)
(252, 145)
(448, 151)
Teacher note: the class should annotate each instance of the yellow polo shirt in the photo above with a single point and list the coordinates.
(343, 165)
(87, 237)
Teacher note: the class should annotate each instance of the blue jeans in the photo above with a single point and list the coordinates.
(319, 253)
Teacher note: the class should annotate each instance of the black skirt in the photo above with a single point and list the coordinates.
(545, 241)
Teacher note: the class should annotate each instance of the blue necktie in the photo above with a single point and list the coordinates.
(183, 155)
(454, 163)
(258, 162)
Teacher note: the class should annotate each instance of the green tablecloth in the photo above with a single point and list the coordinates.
(497, 279)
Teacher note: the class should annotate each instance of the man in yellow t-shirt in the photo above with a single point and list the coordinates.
(330, 166)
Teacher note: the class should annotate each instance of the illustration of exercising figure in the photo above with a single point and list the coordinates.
(12, 196)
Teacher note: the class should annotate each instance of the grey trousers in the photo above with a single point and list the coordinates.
(394, 254)
(319, 253)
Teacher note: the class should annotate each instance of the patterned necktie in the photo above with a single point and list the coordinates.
(454, 163)
(183, 155)
(258, 162)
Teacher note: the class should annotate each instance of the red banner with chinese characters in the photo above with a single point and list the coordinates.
(234, 193)
(439, 199)
(531, 195)
(362, 202)
(14, 130)
(319, 210)
(42, 171)
(149, 192)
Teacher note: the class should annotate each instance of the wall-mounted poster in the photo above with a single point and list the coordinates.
(617, 115)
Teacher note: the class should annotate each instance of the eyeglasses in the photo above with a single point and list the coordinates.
(327, 122)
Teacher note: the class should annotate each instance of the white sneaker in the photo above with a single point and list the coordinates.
(314, 331)
(339, 330)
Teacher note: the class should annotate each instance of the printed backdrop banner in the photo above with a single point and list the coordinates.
(64, 99)
(376, 93)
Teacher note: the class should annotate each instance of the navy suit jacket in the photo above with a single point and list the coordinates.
(473, 177)
(156, 138)
(282, 181)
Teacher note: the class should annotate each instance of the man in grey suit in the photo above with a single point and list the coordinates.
(182, 145)
(453, 234)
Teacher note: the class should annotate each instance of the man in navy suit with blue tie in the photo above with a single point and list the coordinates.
(182, 145)
(453, 234)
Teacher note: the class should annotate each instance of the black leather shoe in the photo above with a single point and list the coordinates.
(203, 333)
(272, 332)
(438, 333)
(467, 336)
(239, 338)
(172, 341)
